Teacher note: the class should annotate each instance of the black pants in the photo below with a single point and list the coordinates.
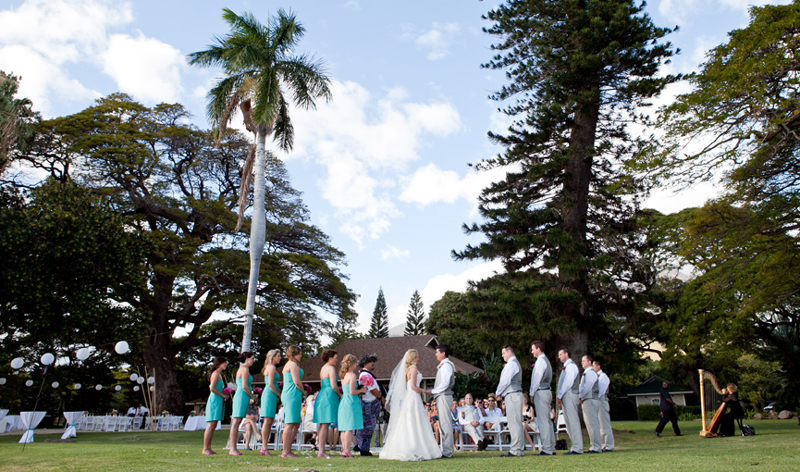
(667, 416)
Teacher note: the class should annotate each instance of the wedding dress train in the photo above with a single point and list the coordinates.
(410, 436)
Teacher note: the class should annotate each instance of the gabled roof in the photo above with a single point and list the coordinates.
(389, 351)
(652, 386)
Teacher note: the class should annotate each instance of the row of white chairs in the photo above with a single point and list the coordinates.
(128, 423)
(276, 442)
(500, 435)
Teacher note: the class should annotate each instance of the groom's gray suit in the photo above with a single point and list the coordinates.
(443, 393)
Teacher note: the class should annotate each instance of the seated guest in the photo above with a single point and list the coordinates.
(454, 418)
(250, 424)
(434, 417)
(132, 411)
(492, 411)
(528, 421)
(726, 427)
(471, 420)
(481, 405)
(309, 427)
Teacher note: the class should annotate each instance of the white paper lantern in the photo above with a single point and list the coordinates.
(152, 389)
(136, 388)
(2, 380)
(17, 363)
(29, 383)
(151, 380)
(98, 387)
(134, 377)
(231, 385)
(48, 359)
(118, 388)
(77, 386)
(122, 347)
(55, 384)
(140, 380)
(82, 354)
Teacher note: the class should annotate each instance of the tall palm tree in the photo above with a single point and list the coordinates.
(260, 69)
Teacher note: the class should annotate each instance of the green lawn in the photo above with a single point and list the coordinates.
(776, 446)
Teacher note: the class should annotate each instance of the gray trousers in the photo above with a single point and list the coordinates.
(570, 404)
(515, 426)
(606, 433)
(444, 403)
(475, 432)
(541, 403)
(591, 416)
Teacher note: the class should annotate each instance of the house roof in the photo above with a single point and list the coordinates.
(389, 351)
(652, 386)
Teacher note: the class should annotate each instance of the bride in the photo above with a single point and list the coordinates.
(409, 436)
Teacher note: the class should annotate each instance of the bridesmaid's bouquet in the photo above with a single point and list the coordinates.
(227, 390)
(258, 391)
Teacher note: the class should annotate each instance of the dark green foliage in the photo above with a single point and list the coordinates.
(564, 221)
(16, 119)
(475, 383)
(653, 413)
(345, 327)
(171, 189)
(379, 326)
(415, 318)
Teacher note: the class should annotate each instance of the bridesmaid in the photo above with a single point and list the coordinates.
(326, 408)
(350, 417)
(241, 399)
(214, 406)
(269, 398)
(292, 398)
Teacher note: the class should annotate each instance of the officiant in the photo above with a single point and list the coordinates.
(371, 403)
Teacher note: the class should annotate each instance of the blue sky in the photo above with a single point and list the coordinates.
(384, 166)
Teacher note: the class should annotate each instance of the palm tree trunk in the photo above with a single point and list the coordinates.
(257, 233)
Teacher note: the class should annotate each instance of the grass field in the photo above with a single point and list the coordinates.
(775, 447)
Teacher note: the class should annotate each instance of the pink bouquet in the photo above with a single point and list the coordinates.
(257, 391)
(307, 387)
(227, 390)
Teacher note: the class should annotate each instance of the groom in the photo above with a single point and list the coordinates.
(442, 391)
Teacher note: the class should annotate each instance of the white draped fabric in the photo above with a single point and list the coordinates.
(13, 422)
(3, 414)
(72, 418)
(198, 423)
(31, 420)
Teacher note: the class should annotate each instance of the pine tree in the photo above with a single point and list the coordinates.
(415, 319)
(564, 220)
(379, 328)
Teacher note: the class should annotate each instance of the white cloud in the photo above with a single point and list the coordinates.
(144, 67)
(392, 252)
(438, 39)
(40, 38)
(363, 142)
(440, 284)
(429, 184)
(679, 10)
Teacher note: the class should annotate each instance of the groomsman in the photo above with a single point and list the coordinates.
(510, 387)
(567, 397)
(542, 397)
(588, 397)
(603, 382)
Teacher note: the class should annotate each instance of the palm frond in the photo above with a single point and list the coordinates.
(267, 101)
(286, 32)
(306, 79)
(244, 187)
(284, 131)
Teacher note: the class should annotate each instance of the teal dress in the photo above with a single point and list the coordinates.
(241, 402)
(350, 417)
(326, 408)
(214, 406)
(269, 401)
(292, 399)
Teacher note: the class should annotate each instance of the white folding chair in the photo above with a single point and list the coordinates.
(494, 433)
(100, 423)
(561, 423)
(125, 424)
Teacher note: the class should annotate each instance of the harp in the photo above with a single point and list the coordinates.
(710, 400)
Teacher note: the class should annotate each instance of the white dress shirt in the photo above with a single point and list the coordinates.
(447, 376)
(509, 370)
(539, 368)
(142, 410)
(132, 411)
(589, 379)
(568, 372)
(602, 383)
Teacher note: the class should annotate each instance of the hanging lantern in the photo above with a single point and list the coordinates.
(2, 380)
(98, 387)
(17, 363)
(82, 354)
(140, 380)
(136, 388)
(151, 380)
(77, 386)
(122, 347)
(48, 359)
(118, 388)
(55, 384)
(29, 383)
(134, 376)
(152, 389)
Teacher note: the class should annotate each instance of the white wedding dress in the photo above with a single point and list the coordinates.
(410, 436)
